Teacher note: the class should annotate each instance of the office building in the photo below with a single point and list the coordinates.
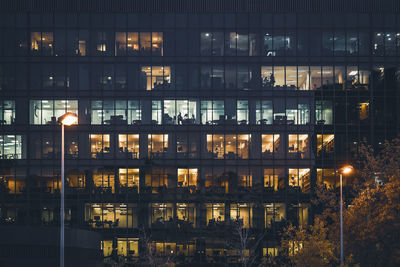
(193, 115)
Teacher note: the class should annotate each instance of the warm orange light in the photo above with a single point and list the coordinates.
(68, 119)
(347, 169)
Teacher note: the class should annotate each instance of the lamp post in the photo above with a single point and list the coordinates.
(66, 119)
(345, 170)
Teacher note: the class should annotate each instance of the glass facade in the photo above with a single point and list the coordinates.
(189, 122)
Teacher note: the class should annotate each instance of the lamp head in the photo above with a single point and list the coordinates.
(68, 119)
(347, 169)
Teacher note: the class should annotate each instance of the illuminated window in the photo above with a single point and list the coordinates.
(116, 112)
(181, 112)
(7, 112)
(48, 111)
(357, 78)
(156, 77)
(129, 178)
(212, 112)
(242, 212)
(264, 111)
(298, 146)
(323, 112)
(186, 214)
(163, 249)
(274, 213)
(325, 144)
(228, 146)
(294, 247)
(135, 43)
(126, 247)
(132, 43)
(156, 112)
(160, 214)
(101, 40)
(111, 215)
(187, 178)
(245, 177)
(99, 145)
(270, 146)
(76, 179)
(300, 178)
(157, 44)
(242, 109)
(215, 213)
(270, 252)
(157, 145)
(297, 111)
(128, 145)
(364, 110)
(104, 180)
(11, 146)
(274, 179)
(42, 43)
(12, 181)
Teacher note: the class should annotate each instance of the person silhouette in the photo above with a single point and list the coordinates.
(180, 118)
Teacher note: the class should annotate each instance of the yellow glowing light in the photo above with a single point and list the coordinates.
(347, 169)
(68, 119)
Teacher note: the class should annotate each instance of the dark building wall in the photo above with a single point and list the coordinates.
(35, 246)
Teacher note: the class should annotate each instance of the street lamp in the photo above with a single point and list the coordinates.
(66, 119)
(345, 170)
